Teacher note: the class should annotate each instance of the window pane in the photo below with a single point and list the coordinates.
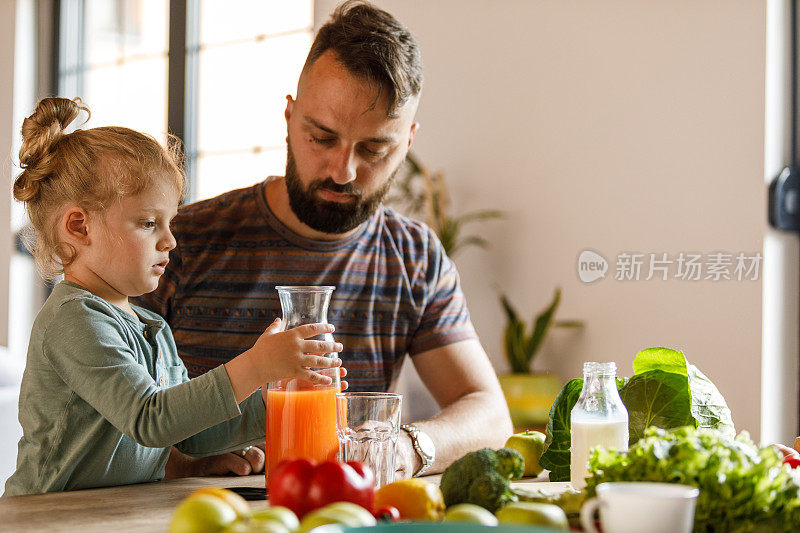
(237, 20)
(242, 92)
(132, 94)
(103, 39)
(220, 173)
(122, 72)
(146, 27)
(117, 29)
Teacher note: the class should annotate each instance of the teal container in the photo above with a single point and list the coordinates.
(435, 527)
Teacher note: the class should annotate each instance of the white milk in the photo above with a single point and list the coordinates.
(588, 433)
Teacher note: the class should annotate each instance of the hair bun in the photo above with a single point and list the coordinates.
(45, 127)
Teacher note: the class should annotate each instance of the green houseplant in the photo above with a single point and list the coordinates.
(529, 394)
(423, 194)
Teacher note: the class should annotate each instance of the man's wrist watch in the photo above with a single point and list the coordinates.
(423, 445)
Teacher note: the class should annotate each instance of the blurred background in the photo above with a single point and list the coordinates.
(620, 127)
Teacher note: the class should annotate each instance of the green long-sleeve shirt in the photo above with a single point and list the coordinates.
(104, 396)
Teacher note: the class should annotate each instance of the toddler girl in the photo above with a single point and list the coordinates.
(104, 395)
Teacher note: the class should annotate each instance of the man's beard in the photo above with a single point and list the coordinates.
(330, 217)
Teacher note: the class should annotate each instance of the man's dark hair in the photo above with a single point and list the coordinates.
(372, 44)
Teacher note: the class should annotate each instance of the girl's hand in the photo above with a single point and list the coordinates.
(280, 355)
(289, 354)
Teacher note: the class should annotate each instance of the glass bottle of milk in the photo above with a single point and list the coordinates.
(598, 418)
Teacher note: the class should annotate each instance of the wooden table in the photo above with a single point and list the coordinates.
(147, 507)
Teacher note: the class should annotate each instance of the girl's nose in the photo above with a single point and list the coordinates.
(168, 242)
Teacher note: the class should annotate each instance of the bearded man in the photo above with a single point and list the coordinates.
(397, 293)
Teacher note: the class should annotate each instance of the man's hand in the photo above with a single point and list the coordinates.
(474, 413)
(233, 463)
(406, 460)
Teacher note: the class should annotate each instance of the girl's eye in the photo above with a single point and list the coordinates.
(149, 224)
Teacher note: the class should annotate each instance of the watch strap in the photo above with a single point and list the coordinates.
(427, 459)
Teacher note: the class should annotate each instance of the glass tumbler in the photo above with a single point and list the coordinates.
(369, 424)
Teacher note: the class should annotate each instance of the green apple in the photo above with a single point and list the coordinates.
(536, 514)
(284, 515)
(357, 515)
(530, 445)
(468, 512)
(202, 513)
(345, 513)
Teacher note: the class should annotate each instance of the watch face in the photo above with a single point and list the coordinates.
(426, 444)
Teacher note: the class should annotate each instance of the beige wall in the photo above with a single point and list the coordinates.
(616, 126)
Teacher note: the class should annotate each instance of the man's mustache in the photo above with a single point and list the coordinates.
(341, 188)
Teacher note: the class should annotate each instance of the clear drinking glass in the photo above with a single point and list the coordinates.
(301, 416)
(369, 425)
(599, 418)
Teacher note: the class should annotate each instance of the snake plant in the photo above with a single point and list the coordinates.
(521, 343)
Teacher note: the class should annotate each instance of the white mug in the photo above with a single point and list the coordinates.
(633, 507)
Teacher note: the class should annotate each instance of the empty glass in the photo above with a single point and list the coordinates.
(368, 425)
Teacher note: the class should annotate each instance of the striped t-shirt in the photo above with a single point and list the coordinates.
(396, 291)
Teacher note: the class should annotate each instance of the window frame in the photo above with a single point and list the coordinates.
(183, 56)
(182, 71)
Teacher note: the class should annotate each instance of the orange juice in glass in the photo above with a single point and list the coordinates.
(301, 416)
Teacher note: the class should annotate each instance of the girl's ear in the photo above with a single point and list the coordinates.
(75, 225)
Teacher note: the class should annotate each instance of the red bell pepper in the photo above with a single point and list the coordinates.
(303, 485)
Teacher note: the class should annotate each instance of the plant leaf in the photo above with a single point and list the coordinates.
(511, 313)
(485, 214)
(413, 163)
(569, 324)
(515, 338)
(542, 325)
(474, 240)
(556, 445)
(656, 398)
(708, 406)
(515, 334)
(660, 359)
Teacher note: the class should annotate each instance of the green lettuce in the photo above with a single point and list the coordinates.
(743, 488)
(665, 391)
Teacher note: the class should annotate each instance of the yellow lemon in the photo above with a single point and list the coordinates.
(414, 498)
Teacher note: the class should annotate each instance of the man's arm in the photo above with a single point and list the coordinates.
(474, 412)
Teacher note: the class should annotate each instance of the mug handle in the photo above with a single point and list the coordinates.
(587, 515)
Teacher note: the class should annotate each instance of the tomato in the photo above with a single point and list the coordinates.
(387, 513)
